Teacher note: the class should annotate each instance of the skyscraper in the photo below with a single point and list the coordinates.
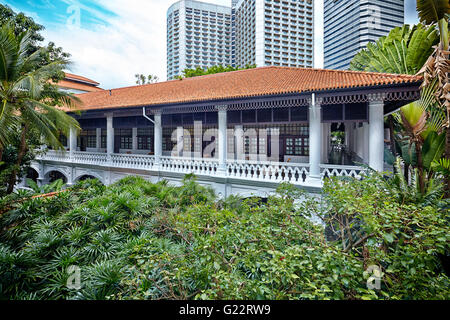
(198, 35)
(349, 25)
(273, 32)
(250, 32)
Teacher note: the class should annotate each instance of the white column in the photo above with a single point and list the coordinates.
(348, 136)
(98, 140)
(109, 135)
(134, 139)
(376, 135)
(72, 141)
(158, 138)
(198, 139)
(325, 140)
(239, 138)
(180, 141)
(315, 139)
(366, 142)
(222, 147)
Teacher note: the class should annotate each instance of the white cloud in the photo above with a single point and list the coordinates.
(134, 41)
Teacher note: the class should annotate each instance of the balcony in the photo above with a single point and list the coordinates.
(241, 171)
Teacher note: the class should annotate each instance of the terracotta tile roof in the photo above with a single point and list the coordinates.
(78, 86)
(71, 76)
(239, 84)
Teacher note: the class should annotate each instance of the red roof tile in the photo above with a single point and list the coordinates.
(239, 84)
(78, 86)
(74, 77)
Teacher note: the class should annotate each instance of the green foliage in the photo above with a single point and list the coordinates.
(47, 188)
(404, 51)
(138, 240)
(189, 73)
(431, 11)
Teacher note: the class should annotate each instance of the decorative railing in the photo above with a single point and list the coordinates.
(295, 173)
(189, 165)
(134, 161)
(89, 158)
(328, 170)
(268, 171)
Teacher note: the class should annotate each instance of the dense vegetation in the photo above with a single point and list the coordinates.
(138, 240)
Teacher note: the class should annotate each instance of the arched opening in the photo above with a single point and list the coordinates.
(88, 177)
(56, 175)
(32, 174)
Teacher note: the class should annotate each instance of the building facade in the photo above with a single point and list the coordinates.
(238, 139)
(250, 32)
(349, 25)
(273, 32)
(198, 35)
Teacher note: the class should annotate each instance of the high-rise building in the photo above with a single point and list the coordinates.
(250, 32)
(198, 35)
(349, 25)
(274, 32)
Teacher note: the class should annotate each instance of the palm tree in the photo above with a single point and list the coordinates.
(403, 51)
(436, 12)
(28, 101)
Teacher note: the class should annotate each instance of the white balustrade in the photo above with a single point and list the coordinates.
(189, 165)
(93, 158)
(295, 173)
(328, 171)
(133, 161)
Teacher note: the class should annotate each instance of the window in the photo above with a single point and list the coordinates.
(89, 137)
(103, 139)
(126, 139)
(145, 139)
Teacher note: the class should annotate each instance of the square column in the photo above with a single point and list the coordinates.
(376, 134)
(315, 139)
(134, 139)
(98, 139)
(222, 147)
(109, 135)
(158, 137)
(72, 141)
(326, 129)
(180, 142)
(366, 142)
(239, 138)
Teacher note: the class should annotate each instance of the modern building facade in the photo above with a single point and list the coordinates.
(274, 32)
(243, 140)
(250, 32)
(349, 25)
(198, 35)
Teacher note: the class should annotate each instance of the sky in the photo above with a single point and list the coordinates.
(112, 40)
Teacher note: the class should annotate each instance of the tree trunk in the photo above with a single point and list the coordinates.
(21, 154)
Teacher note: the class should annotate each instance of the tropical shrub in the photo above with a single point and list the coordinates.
(138, 240)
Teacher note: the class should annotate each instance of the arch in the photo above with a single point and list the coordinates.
(32, 174)
(86, 176)
(36, 168)
(55, 174)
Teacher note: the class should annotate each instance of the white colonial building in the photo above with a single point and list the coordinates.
(242, 132)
